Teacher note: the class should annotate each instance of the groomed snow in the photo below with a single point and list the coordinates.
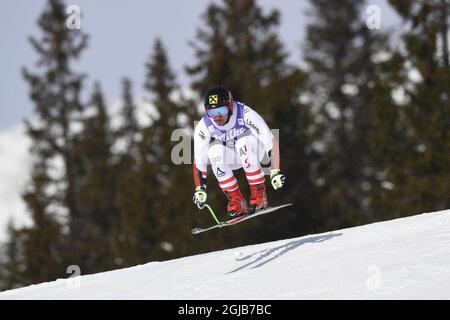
(406, 258)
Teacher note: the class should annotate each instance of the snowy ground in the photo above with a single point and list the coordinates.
(406, 258)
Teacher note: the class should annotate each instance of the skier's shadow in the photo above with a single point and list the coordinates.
(268, 255)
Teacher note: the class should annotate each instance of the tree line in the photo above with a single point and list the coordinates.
(364, 136)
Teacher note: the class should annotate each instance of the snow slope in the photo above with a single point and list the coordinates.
(406, 258)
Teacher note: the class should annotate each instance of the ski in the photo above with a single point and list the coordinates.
(237, 220)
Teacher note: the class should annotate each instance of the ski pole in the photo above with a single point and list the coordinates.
(212, 213)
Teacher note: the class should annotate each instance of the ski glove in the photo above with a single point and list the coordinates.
(200, 197)
(277, 179)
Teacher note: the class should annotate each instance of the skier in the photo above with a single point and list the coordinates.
(232, 136)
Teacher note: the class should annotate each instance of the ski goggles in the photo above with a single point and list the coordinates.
(217, 112)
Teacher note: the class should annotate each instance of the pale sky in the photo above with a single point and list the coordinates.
(121, 37)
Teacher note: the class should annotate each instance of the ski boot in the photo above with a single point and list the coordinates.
(258, 198)
(237, 206)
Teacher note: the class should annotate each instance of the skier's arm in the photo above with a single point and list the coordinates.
(261, 130)
(199, 177)
(200, 195)
(276, 177)
(275, 154)
(202, 138)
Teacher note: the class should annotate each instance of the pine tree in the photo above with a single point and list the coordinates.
(153, 206)
(56, 94)
(347, 86)
(51, 196)
(173, 208)
(133, 238)
(129, 130)
(241, 50)
(420, 171)
(97, 194)
(98, 198)
(12, 261)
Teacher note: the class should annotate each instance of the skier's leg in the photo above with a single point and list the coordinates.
(220, 158)
(251, 153)
(223, 161)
